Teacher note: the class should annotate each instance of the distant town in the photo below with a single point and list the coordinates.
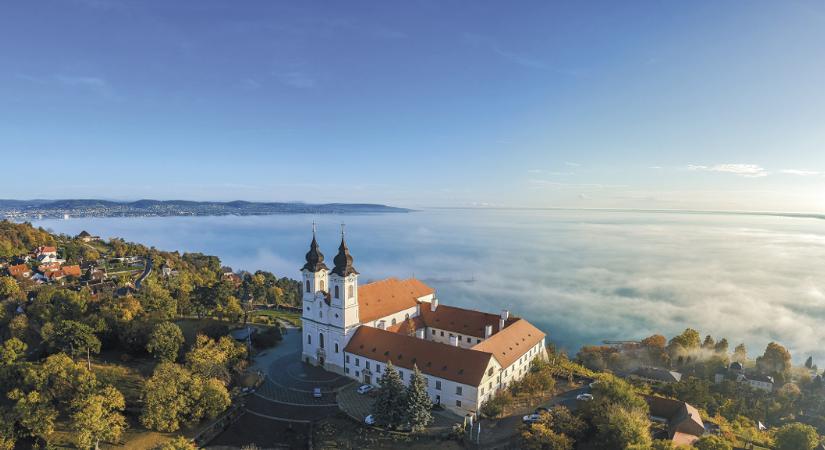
(67, 208)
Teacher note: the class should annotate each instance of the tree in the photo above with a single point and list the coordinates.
(74, 338)
(709, 343)
(796, 436)
(689, 339)
(388, 408)
(620, 427)
(34, 413)
(215, 359)
(740, 354)
(11, 352)
(179, 443)
(418, 402)
(165, 341)
(722, 346)
(775, 361)
(809, 363)
(540, 436)
(174, 396)
(98, 417)
(712, 443)
(8, 287)
(565, 422)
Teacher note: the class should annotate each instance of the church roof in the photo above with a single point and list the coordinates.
(343, 261)
(382, 298)
(459, 320)
(512, 342)
(314, 257)
(432, 358)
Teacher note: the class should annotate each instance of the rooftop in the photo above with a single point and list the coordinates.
(382, 298)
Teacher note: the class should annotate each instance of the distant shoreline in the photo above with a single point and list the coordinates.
(798, 215)
(88, 208)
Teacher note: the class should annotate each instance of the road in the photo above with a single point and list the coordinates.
(146, 271)
(500, 433)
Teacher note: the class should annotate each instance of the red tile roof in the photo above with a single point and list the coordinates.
(71, 271)
(459, 320)
(433, 358)
(382, 298)
(512, 342)
(18, 270)
(46, 250)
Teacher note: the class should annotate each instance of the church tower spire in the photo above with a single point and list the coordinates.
(343, 260)
(314, 257)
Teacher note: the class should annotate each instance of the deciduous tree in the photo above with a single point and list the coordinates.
(796, 436)
(98, 417)
(165, 341)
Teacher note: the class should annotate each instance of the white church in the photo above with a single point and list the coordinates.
(465, 355)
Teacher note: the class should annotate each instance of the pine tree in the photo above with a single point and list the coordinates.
(740, 354)
(418, 402)
(709, 343)
(388, 409)
(809, 362)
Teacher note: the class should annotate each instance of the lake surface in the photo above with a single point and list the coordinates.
(581, 276)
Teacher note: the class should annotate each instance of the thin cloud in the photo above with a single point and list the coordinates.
(802, 173)
(572, 164)
(505, 53)
(745, 170)
(95, 85)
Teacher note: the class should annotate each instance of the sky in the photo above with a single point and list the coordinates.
(712, 105)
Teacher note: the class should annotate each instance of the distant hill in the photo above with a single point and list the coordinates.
(109, 208)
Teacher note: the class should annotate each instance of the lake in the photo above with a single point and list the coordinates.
(581, 276)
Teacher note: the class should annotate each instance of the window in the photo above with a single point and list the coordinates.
(336, 291)
(322, 285)
(468, 340)
(490, 385)
(347, 358)
(321, 340)
(320, 314)
(309, 339)
(426, 382)
(336, 344)
(442, 333)
(393, 321)
(458, 403)
(378, 368)
(407, 316)
(478, 341)
(307, 287)
(367, 364)
(349, 291)
(438, 385)
(433, 332)
(346, 369)
(401, 375)
(357, 362)
(458, 390)
(482, 391)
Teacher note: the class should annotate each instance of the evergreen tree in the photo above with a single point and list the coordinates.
(740, 354)
(388, 408)
(722, 346)
(418, 403)
(809, 363)
(709, 343)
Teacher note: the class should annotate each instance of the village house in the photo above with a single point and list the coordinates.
(736, 372)
(45, 255)
(20, 271)
(86, 237)
(683, 423)
(655, 375)
(465, 355)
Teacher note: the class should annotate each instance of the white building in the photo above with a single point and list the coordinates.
(465, 355)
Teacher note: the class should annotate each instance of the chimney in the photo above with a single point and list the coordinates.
(504, 316)
(418, 309)
(434, 305)
(488, 331)
(454, 341)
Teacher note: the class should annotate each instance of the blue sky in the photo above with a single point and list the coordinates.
(694, 105)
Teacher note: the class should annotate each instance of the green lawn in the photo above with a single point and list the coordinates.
(290, 317)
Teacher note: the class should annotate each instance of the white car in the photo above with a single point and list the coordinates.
(364, 388)
(369, 420)
(584, 397)
(531, 418)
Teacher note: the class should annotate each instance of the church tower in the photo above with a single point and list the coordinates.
(330, 306)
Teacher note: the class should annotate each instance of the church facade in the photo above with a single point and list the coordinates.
(465, 355)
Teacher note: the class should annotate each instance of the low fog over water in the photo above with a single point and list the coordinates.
(582, 276)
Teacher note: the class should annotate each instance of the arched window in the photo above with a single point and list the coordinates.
(321, 339)
(349, 291)
(393, 321)
(309, 339)
(336, 291)
(407, 316)
(307, 285)
(322, 285)
(336, 347)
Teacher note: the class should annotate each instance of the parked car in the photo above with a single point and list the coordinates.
(584, 397)
(316, 392)
(365, 388)
(369, 420)
(531, 418)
